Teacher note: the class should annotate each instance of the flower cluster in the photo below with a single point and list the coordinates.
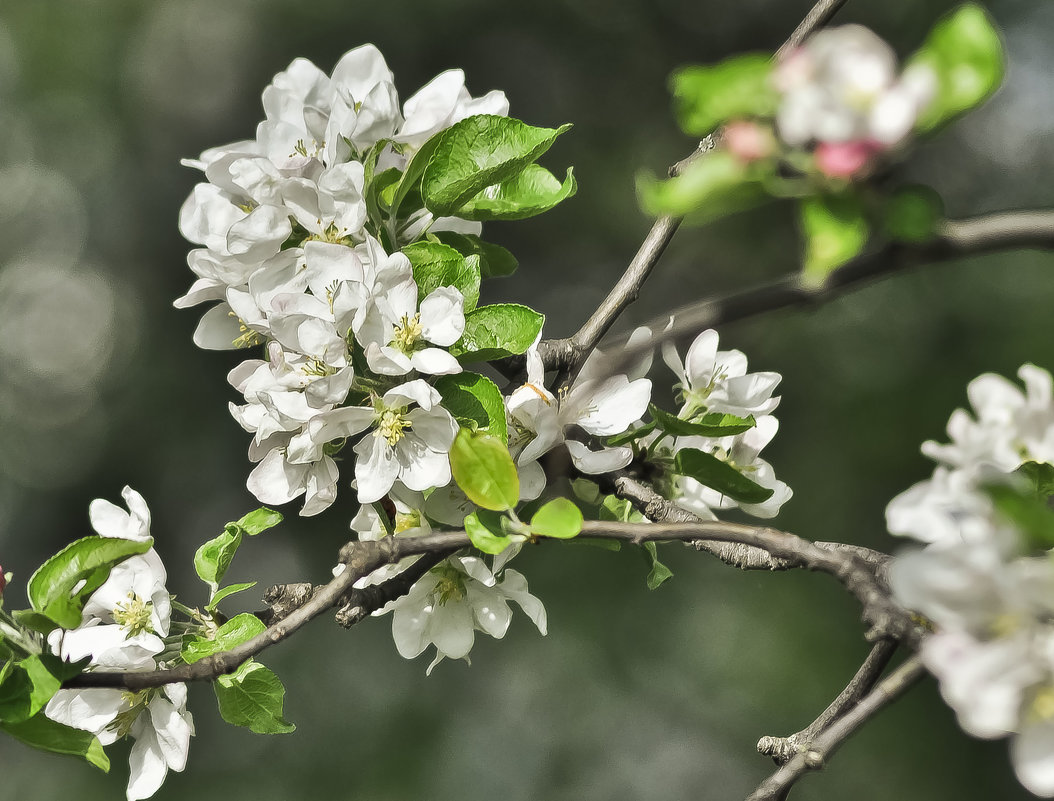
(296, 262)
(716, 382)
(124, 626)
(841, 93)
(991, 602)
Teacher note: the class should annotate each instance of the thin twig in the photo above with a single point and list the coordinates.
(818, 16)
(783, 749)
(568, 355)
(955, 238)
(778, 785)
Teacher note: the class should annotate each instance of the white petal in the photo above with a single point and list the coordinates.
(146, 765)
(1032, 753)
(433, 361)
(443, 316)
(598, 462)
(375, 469)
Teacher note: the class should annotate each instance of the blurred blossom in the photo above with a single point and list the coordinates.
(57, 335)
(189, 59)
(42, 215)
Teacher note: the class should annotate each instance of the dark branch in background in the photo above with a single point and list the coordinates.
(818, 16)
(783, 749)
(954, 239)
(568, 355)
(778, 785)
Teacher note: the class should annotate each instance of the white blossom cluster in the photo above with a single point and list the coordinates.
(288, 255)
(716, 381)
(841, 96)
(125, 623)
(991, 602)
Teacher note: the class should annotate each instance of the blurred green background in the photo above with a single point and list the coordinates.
(634, 694)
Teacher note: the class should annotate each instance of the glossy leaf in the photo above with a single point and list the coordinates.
(710, 471)
(475, 401)
(558, 518)
(253, 697)
(531, 192)
(482, 467)
(46, 735)
(437, 265)
(493, 332)
(494, 260)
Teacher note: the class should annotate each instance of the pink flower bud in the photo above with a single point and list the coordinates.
(748, 141)
(845, 159)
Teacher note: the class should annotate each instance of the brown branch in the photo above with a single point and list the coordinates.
(568, 355)
(818, 16)
(955, 238)
(777, 786)
(783, 749)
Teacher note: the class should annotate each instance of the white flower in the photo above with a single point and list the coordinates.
(405, 332)
(718, 381)
(157, 720)
(454, 600)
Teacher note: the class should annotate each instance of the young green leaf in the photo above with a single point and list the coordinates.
(89, 560)
(258, 521)
(486, 533)
(482, 467)
(1027, 511)
(46, 735)
(528, 194)
(412, 174)
(475, 400)
(221, 594)
(34, 621)
(232, 633)
(912, 213)
(657, 571)
(965, 54)
(714, 424)
(214, 557)
(253, 697)
(27, 686)
(712, 472)
(437, 265)
(835, 230)
(478, 152)
(493, 332)
(706, 96)
(558, 518)
(713, 186)
(494, 260)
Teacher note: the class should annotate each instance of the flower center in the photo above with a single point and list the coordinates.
(407, 333)
(391, 424)
(318, 368)
(407, 521)
(133, 615)
(450, 587)
(1043, 703)
(136, 702)
(301, 149)
(246, 338)
(332, 235)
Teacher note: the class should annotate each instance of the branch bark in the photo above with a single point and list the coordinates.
(783, 749)
(777, 786)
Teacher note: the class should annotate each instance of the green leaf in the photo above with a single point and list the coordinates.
(45, 734)
(714, 424)
(258, 521)
(657, 571)
(493, 332)
(965, 54)
(437, 265)
(714, 185)
(485, 531)
(413, 172)
(494, 260)
(34, 621)
(1029, 513)
(232, 633)
(214, 557)
(233, 588)
(706, 96)
(253, 697)
(531, 192)
(475, 401)
(1040, 477)
(90, 559)
(835, 231)
(482, 467)
(712, 472)
(28, 685)
(912, 213)
(478, 152)
(559, 518)
(632, 435)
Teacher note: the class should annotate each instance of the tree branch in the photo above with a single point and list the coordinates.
(777, 786)
(818, 16)
(954, 239)
(783, 749)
